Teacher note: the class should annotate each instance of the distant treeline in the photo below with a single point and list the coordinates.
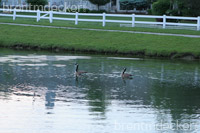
(176, 7)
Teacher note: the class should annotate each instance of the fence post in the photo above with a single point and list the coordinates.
(38, 15)
(104, 19)
(198, 23)
(164, 21)
(76, 19)
(14, 14)
(51, 16)
(133, 20)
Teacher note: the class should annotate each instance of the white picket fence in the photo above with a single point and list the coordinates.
(50, 16)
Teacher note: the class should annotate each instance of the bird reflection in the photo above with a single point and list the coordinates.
(124, 81)
(34, 98)
(50, 99)
(76, 78)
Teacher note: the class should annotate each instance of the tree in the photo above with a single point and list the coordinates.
(150, 2)
(132, 4)
(37, 4)
(177, 7)
(190, 7)
(99, 2)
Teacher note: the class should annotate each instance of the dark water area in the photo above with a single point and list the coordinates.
(40, 93)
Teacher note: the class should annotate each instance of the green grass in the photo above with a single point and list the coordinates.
(99, 41)
(97, 25)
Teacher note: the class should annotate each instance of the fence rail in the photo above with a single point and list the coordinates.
(50, 16)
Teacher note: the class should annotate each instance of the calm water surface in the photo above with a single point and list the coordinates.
(39, 93)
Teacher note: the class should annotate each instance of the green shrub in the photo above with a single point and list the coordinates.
(174, 12)
(160, 7)
(82, 10)
(96, 11)
(149, 12)
(99, 2)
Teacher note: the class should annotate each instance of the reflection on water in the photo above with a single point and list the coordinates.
(39, 93)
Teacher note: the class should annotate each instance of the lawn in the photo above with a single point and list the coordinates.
(96, 25)
(97, 41)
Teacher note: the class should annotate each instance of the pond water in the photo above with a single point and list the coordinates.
(39, 93)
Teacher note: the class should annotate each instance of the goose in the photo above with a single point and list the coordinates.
(125, 75)
(77, 72)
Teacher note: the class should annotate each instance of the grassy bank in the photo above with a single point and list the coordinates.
(97, 25)
(98, 41)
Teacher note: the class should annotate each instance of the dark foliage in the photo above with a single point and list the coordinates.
(99, 2)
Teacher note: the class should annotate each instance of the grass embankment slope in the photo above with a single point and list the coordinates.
(97, 41)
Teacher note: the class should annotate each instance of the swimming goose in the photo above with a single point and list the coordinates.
(79, 73)
(127, 76)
